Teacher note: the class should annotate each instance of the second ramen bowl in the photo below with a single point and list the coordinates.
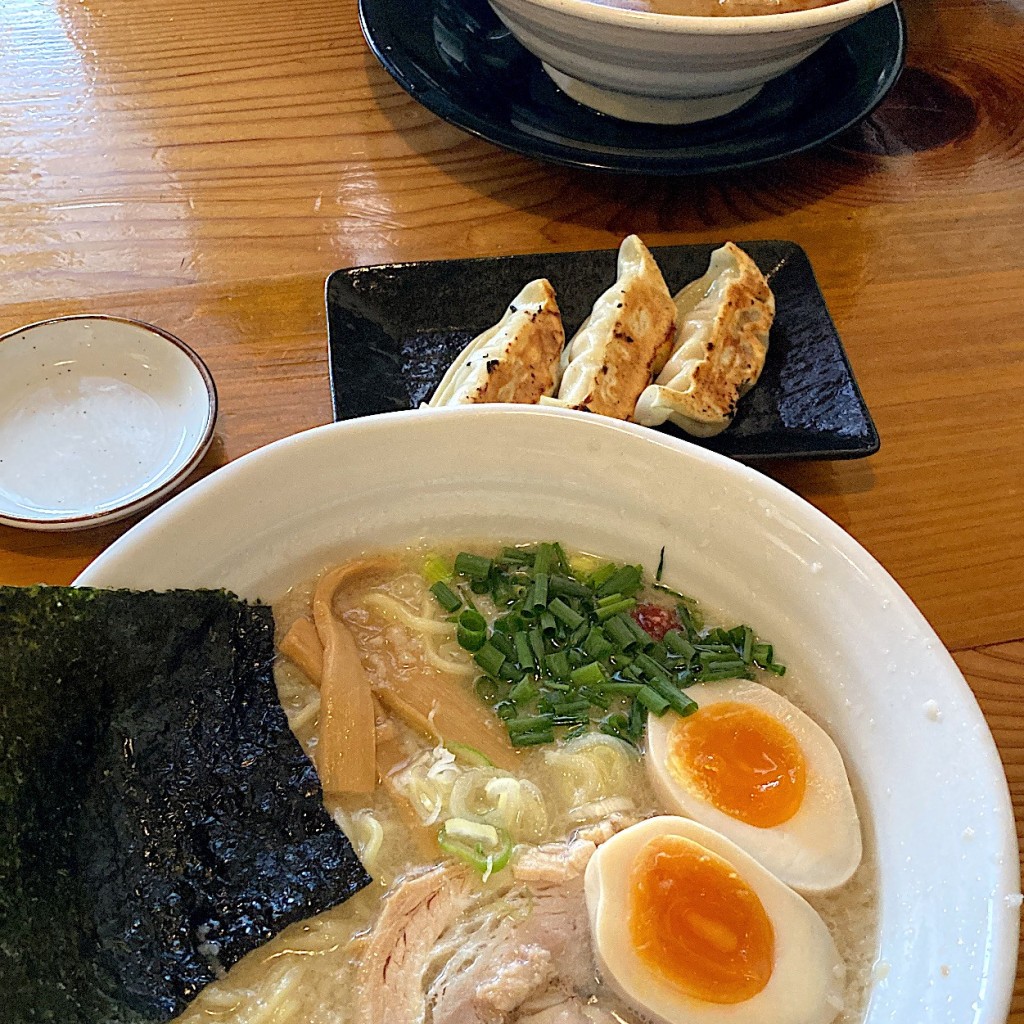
(668, 68)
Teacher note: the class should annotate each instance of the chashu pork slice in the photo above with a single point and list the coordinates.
(516, 360)
(389, 978)
(625, 340)
(724, 320)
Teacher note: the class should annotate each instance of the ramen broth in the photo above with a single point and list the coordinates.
(306, 975)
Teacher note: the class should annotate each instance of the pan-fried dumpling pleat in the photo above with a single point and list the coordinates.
(625, 340)
(516, 360)
(724, 319)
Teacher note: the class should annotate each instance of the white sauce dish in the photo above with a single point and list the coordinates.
(100, 417)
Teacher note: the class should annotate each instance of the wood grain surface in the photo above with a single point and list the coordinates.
(204, 164)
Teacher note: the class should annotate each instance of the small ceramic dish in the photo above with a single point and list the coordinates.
(100, 417)
(668, 68)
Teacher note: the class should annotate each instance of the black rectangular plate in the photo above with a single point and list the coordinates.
(394, 329)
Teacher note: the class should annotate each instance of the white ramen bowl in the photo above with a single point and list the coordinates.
(935, 790)
(666, 68)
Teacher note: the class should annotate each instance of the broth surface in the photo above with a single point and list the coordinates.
(306, 974)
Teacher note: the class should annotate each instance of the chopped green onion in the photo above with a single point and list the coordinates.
(602, 574)
(563, 561)
(563, 586)
(589, 675)
(475, 567)
(468, 639)
(579, 634)
(614, 686)
(488, 690)
(528, 723)
(637, 719)
(548, 624)
(625, 580)
(533, 739)
(678, 644)
(652, 700)
(726, 670)
(618, 725)
(619, 632)
(596, 644)
(570, 707)
(643, 637)
(690, 617)
(506, 710)
(483, 847)
(503, 643)
(524, 653)
(510, 672)
(558, 664)
(473, 621)
(489, 658)
(611, 610)
(677, 700)
(707, 658)
(538, 599)
(564, 613)
(523, 692)
(446, 597)
(517, 556)
(550, 684)
(546, 558)
(650, 668)
(661, 565)
(596, 697)
(469, 755)
(537, 644)
(502, 593)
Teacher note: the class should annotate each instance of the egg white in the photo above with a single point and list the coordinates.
(816, 850)
(807, 979)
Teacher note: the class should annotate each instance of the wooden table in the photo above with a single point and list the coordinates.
(203, 164)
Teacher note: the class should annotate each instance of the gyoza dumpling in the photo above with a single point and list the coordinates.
(724, 319)
(516, 360)
(625, 340)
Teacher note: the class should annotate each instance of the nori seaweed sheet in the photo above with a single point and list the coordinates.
(154, 805)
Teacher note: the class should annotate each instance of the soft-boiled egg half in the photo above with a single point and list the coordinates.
(689, 929)
(750, 765)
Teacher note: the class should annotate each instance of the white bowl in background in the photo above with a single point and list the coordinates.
(100, 417)
(934, 787)
(667, 68)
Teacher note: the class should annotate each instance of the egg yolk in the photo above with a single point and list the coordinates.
(696, 924)
(745, 762)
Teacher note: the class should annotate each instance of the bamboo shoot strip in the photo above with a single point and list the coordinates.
(442, 709)
(301, 644)
(345, 754)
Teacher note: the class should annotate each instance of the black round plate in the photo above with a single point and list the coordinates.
(458, 60)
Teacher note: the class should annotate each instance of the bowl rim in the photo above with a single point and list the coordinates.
(82, 521)
(685, 24)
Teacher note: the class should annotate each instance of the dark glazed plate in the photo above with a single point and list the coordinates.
(458, 60)
(394, 329)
